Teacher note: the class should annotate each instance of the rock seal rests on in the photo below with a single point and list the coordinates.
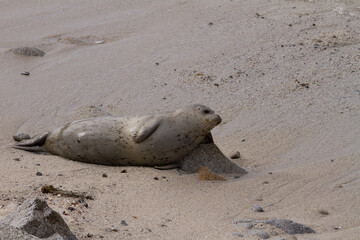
(152, 140)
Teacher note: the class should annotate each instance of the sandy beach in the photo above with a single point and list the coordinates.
(284, 75)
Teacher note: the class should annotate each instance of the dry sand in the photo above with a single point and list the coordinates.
(283, 74)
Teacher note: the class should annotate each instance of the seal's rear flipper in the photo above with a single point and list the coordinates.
(35, 141)
(36, 149)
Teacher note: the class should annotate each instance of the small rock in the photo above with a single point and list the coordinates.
(124, 223)
(104, 175)
(124, 171)
(60, 174)
(28, 51)
(235, 155)
(71, 209)
(156, 178)
(323, 212)
(257, 208)
(259, 233)
(16, 159)
(289, 226)
(237, 234)
(89, 235)
(157, 64)
(25, 73)
(39, 174)
(210, 23)
(20, 136)
(86, 205)
(247, 225)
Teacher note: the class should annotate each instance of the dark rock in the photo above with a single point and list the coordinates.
(36, 218)
(289, 226)
(124, 223)
(39, 174)
(104, 175)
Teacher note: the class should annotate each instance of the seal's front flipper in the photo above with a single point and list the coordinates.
(167, 167)
(208, 139)
(36, 149)
(35, 141)
(145, 131)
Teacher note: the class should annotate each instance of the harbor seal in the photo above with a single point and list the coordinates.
(152, 140)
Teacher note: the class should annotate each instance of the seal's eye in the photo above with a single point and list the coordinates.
(206, 111)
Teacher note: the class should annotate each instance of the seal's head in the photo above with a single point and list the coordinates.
(205, 116)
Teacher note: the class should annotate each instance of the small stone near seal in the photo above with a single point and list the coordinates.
(235, 155)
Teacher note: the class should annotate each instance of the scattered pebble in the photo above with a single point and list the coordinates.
(237, 234)
(247, 225)
(235, 155)
(210, 23)
(124, 223)
(89, 235)
(28, 51)
(60, 174)
(16, 159)
(99, 42)
(39, 174)
(257, 208)
(25, 73)
(156, 178)
(124, 171)
(71, 209)
(86, 205)
(323, 212)
(236, 177)
(259, 233)
(104, 175)
(157, 64)
(20, 136)
(37, 164)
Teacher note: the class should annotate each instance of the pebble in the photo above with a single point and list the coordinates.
(16, 159)
(156, 178)
(257, 208)
(28, 51)
(89, 235)
(259, 233)
(124, 223)
(71, 208)
(237, 234)
(25, 73)
(124, 171)
(39, 174)
(20, 136)
(235, 155)
(247, 225)
(104, 175)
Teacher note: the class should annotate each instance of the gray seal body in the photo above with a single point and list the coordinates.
(151, 140)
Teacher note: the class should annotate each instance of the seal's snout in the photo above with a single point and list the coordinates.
(217, 119)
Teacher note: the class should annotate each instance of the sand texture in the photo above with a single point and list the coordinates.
(282, 74)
